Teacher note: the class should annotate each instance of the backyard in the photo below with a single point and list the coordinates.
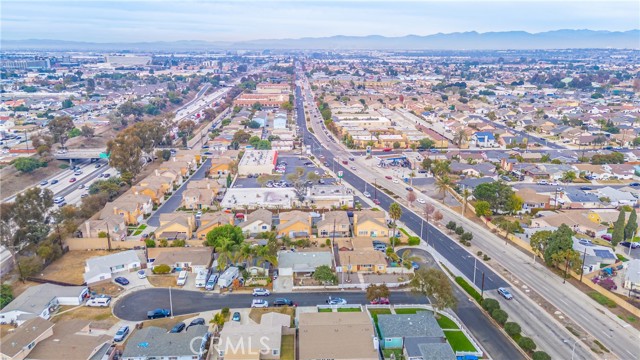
(70, 267)
(458, 341)
(287, 350)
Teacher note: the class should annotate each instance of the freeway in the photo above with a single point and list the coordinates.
(135, 305)
(544, 329)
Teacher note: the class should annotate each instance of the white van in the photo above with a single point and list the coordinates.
(99, 302)
(182, 278)
(201, 278)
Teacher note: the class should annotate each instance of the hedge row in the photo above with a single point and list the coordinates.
(469, 289)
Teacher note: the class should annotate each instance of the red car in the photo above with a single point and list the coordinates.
(606, 237)
(388, 177)
(72, 180)
(380, 301)
(376, 201)
(386, 149)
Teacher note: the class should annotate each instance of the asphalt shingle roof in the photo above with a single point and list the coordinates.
(157, 342)
(421, 324)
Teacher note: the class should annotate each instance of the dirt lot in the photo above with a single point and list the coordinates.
(100, 318)
(162, 280)
(70, 267)
(13, 181)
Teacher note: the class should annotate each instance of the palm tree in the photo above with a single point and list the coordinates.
(460, 138)
(465, 196)
(407, 259)
(440, 167)
(442, 185)
(226, 252)
(395, 212)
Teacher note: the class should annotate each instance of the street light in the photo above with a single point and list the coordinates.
(573, 349)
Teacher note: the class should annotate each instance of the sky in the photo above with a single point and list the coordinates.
(212, 20)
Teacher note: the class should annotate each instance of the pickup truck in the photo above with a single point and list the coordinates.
(158, 313)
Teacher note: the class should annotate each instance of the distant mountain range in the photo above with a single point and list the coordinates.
(516, 40)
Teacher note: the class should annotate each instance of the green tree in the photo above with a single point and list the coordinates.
(161, 269)
(500, 316)
(435, 285)
(253, 124)
(498, 194)
(125, 153)
(512, 329)
(541, 355)
(59, 127)
(6, 295)
(87, 131)
(569, 176)
(67, 103)
(375, 291)
(483, 208)
(632, 226)
(229, 232)
(325, 275)
(490, 305)
(527, 344)
(395, 212)
(515, 203)
(539, 241)
(559, 241)
(26, 164)
(618, 229)
(30, 211)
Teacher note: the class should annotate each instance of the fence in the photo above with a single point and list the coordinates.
(46, 281)
(103, 244)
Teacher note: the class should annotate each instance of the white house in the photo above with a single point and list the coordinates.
(101, 268)
(257, 222)
(617, 197)
(41, 300)
(484, 139)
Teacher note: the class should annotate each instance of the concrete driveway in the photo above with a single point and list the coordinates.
(134, 281)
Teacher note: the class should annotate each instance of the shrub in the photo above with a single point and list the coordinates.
(102, 234)
(479, 253)
(512, 329)
(486, 258)
(467, 237)
(469, 289)
(490, 304)
(459, 230)
(164, 243)
(527, 344)
(225, 311)
(451, 225)
(414, 241)
(327, 242)
(500, 316)
(541, 355)
(161, 269)
(150, 243)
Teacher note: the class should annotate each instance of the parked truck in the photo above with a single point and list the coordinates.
(201, 278)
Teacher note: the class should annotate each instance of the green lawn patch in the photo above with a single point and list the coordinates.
(142, 226)
(138, 232)
(397, 352)
(409, 310)
(287, 351)
(621, 258)
(469, 289)
(458, 341)
(325, 310)
(349, 310)
(601, 299)
(446, 323)
(375, 312)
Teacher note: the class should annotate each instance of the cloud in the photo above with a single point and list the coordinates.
(130, 21)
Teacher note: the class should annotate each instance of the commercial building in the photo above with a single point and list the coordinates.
(257, 162)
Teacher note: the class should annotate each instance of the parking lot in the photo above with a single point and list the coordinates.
(292, 162)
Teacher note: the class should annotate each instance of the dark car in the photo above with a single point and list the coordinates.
(376, 201)
(635, 184)
(408, 188)
(585, 188)
(158, 313)
(122, 281)
(178, 328)
(54, 182)
(198, 321)
(632, 245)
(283, 302)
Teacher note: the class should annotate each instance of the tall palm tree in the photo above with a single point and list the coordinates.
(440, 167)
(465, 196)
(442, 185)
(395, 212)
(460, 138)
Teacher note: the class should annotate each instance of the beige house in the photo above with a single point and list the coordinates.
(18, 344)
(337, 336)
(576, 220)
(370, 224)
(260, 341)
(295, 224)
(192, 259)
(210, 221)
(113, 225)
(363, 260)
(131, 207)
(176, 226)
(334, 223)
(257, 222)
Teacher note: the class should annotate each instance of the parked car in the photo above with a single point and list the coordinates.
(422, 201)
(72, 180)
(336, 301)
(388, 177)
(585, 188)
(178, 328)
(120, 280)
(197, 321)
(505, 178)
(366, 194)
(44, 183)
(543, 182)
(408, 188)
(633, 245)
(142, 274)
(283, 302)
(158, 313)
(259, 303)
(505, 293)
(376, 201)
(54, 182)
(635, 184)
(380, 301)
(261, 292)
(121, 334)
(236, 316)
(99, 301)
(606, 237)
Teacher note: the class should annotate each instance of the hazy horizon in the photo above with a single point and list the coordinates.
(151, 21)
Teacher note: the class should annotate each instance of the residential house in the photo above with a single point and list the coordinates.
(221, 166)
(421, 349)
(257, 222)
(211, 220)
(532, 200)
(73, 339)
(337, 336)
(113, 226)
(472, 183)
(597, 171)
(157, 343)
(334, 224)
(329, 196)
(362, 260)
(18, 344)
(191, 259)
(303, 262)
(577, 221)
(101, 268)
(261, 341)
(294, 224)
(475, 170)
(595, 256)
(617, 197)
(41, 300)
(577, 198)
(484, 139)
(200, 194)
(174, 173)
(620, 171)
(394, 330)
(632, 275)
(130, 207)
(154, 187)
(176, 226)
(605, 216)
(370, 224)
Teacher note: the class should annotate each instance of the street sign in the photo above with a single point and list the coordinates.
(340, 173)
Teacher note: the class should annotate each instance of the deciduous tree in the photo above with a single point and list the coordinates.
(60, 127)
(435, 285)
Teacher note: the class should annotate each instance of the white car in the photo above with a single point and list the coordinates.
(396, 181)
(261, 292)
(142, 274)
(259, 303)
(366, 194)
(422, 201)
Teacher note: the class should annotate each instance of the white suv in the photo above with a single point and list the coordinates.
(261, 292)
(259, 303)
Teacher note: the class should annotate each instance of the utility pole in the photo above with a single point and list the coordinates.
(59, 237)
(108, 237)
(566, 270)
(584, 255)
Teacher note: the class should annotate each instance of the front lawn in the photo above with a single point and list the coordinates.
(287, 348)
(446, 323)
(375, 312)
(409, 310)
(458, 341)
(349, 310)
(397, 352)
(325, 310)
